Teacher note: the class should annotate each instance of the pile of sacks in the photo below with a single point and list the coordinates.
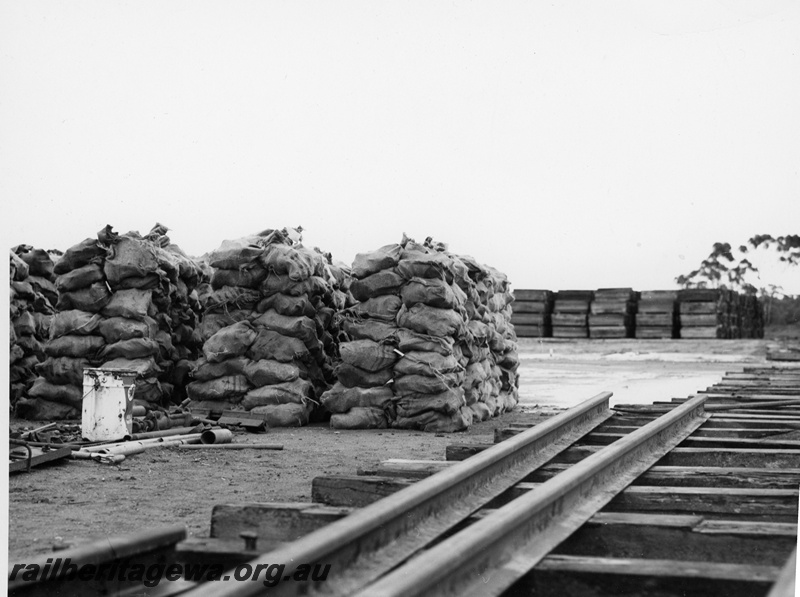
(492, 382)
(125, 302)
(32, 301)
(268, 335)
(428, 345)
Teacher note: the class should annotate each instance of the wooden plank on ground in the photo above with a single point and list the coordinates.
(738, 457)
(270, 521)
(776, 505)
(703, 476)
(699, 476)
(209, 551)
(696, 440)
(703, 442)
(742, 431)
(779, 505)
(682, 537)
(38, 456)
(580, 576)
(720, 421)
(354, 491)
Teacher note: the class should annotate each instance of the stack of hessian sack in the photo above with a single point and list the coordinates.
(125, 302)
(268, 328)
(32, 301)
(492, 382)
(426, 343)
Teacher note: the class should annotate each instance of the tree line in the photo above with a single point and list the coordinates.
(731, 267)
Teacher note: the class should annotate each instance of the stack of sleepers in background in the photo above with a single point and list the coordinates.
(570, 313)
(751, 316)
(732, 319)
(611, 314)
(656, 315)
(531, 312)
(704, 313)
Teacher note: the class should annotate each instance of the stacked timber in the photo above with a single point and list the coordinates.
(612, 313)
(268, 332)
(751, 316)
(706, 313)
(571, 313)
(657, 314)
(124, 302)
(531, 313)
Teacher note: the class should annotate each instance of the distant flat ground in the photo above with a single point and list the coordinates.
(558, 372)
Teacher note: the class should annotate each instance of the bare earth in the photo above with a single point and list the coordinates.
(78, 501)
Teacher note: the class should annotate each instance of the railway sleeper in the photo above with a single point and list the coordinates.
(695, 440)
(754, 431)
(734, 457)
(584, 576)
(768, 478)
(778, 505)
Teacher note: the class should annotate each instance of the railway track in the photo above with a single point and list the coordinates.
(694, 496)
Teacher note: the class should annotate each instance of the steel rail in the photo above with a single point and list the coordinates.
(371, 541)
(99, 553)
(490, 555)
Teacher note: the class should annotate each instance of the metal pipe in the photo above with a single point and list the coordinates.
(162, 433)
(55, 445)
(216, 436)
(153, 440)
(232, 446)
(27, 434)
(129, 448)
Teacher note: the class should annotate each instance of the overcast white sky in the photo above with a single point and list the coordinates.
(571, 145)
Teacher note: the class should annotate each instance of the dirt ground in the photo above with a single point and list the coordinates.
(77, 501)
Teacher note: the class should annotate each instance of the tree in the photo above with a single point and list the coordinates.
(787, 246)
(714, 271)
(724, 268)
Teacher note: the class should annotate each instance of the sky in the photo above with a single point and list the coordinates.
(568, 144)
